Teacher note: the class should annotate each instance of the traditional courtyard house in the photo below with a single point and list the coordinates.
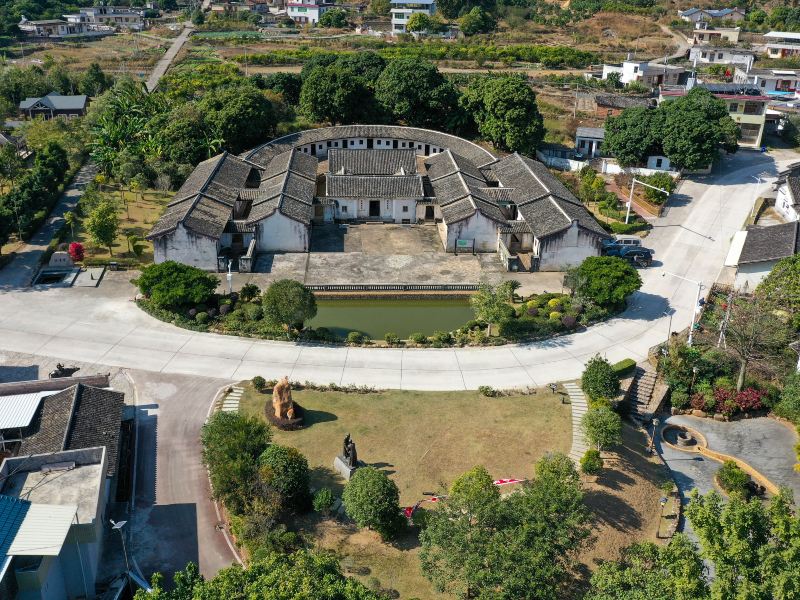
(782, 44)
(588, 141)
(646, 73)
(403, 9)
(54, 105)
(745, 102)
(270, 199)
(369, 185)
(709, 55)
(772, 82)
(308, 11)
(707, 35)
(693, 15)
(763, 247)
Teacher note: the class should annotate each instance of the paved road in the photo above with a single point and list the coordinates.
(174, 522)
(102, 325)
(20, 271)
(163, 64)
(680, 42)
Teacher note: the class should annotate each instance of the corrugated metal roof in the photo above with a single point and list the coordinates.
(43, 530)
(18, 410)
(12, 514)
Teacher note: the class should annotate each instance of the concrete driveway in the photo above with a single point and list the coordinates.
(691, 240)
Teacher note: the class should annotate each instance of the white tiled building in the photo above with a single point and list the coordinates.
(403, 9)
(308, 11)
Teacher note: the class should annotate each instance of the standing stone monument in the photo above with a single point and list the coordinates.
(284, 412)
(347, 462)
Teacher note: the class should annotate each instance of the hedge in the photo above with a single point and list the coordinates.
(624, 367)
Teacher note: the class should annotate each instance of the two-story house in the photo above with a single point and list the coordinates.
(308, 11)
(710, 55)
(782, 44)
(647, 73)
(693, 15)
(403, 9)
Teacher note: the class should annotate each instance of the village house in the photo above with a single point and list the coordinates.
(647, 73)
(111, 17)
(403, 9)
(772, 82)
(721, 56)
(588, 141)
(308, 11)
(51, 28)
(760, 249)
(53, 106)
(746, 105)
(269, 200)
(693, 15)
(782, 44)
(713, 36)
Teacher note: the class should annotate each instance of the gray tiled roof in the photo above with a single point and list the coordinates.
(372, 162)
(519, 226)
(449, 162)
(56, 101)
(469, 150)
(770, 243)
(591, 132)
(289, 186)
(78, 417)
(542, 200)
(391, 186)
(793, 185)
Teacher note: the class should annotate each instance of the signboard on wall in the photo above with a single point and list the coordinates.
(465, 246)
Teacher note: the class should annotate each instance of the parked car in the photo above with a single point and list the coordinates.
(637, 255)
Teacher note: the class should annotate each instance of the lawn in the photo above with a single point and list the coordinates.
(137, 214)
(423, 440)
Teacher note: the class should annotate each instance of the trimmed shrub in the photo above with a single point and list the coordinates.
(392, 339)
(252, 312)
(372, 500)
(555, 303)
(323, 501)
(286, 469)
(441, 338)
(591, 462)
(732, 479)
(418, 338)
(202, 318)
(599, 380)
(249, 292)
(624, 367)
(487, 390)
(555, 316)
(679, 399)
(259, 383)
(355, 338)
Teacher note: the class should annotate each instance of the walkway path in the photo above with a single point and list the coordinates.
(20, 271)
(163, 64)
(579, 408)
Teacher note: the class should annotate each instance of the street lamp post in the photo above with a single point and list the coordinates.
(700, 287)
(630, 196)
(118, 526)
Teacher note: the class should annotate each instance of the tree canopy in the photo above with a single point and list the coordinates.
(288, 302)
(372, 500)
(302, 574)
(506, 113)
(602, 427)
(633, 135)
(605, 280)
(599, 380)
(476, 545)
(173, 285)
(781, 287)
(333, 18)
(477, 20)
(333, 94)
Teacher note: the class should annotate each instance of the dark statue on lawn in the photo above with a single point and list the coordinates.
(349, 454)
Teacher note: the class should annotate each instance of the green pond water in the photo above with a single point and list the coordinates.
(403, 317)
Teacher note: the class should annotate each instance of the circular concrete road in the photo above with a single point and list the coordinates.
(101, 325)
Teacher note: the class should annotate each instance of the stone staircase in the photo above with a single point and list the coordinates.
(579, 408)
(641, 393)
(230, 402)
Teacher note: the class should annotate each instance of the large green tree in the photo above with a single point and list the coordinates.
(781, 288)
(477, 21)
(650, 572)
(602, 427)
(416, 93)
(102, 225)
(334, 94)
(605, 280)
(599, 380)
(303, 575)
(288, 302)
(491, 305)
(239, 115)
(287, 471)
(754, 547)
(335, 18)
(506, 113)
(633, 135)
(477, 545)
(372, 500)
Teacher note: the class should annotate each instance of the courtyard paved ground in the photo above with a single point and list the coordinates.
(376, 238)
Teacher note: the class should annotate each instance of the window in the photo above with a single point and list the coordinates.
(582, 144)
(659, 162)
(753, 108)
(329, 144)
(609, 112)
(319, 146)
(704, 55)
(719, 55)
(405, 209)
(378, 143)
(344, 209)
(733, 107)
(635, 69)
(763, 83)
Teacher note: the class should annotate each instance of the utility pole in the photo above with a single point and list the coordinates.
(634, 181)
(696, 307)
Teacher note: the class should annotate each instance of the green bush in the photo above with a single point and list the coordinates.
(624, 367)
(372, 500)
(487, 390)
(259, 383)
(625, 228)
(679, 398)
(174, 285)
(418, 338)
(323, 501)
(732, 479)
(591, 462)
(252, 312)
(555, 304)
(599, 379)
(355, 338)
(441, 338)
(202, 318)
(286, 469)
(788, 406)
(392, 339)
(249, 292)
(555, 316)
